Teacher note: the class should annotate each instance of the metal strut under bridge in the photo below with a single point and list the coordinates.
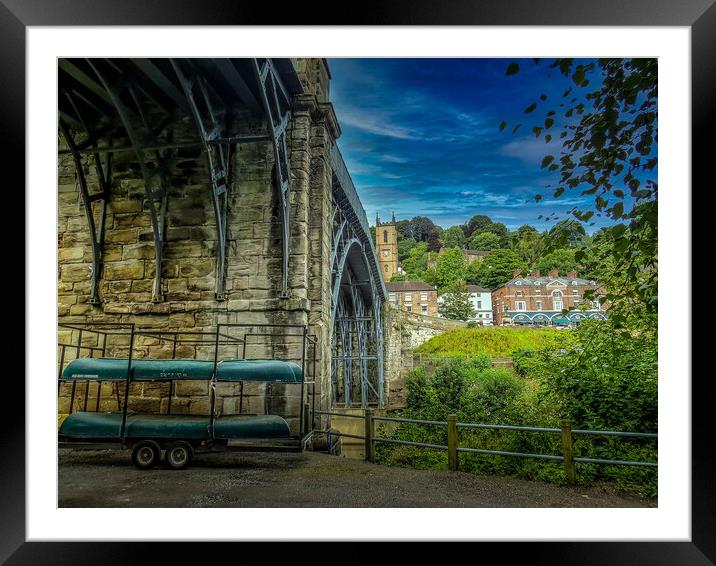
(146, 101)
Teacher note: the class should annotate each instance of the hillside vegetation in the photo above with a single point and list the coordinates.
(496, 342)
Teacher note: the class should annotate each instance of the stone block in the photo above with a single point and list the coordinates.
(191, 388)
(122, 206)
(67, 255)
(196, 268)
(124, 270)
(138, 251)
(75, 272)
(201, 283)
(132, 220)
(186, 249)
(126, 236)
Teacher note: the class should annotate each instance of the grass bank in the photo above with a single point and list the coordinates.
(496, 342)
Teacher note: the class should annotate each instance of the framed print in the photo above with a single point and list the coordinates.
(227, 280)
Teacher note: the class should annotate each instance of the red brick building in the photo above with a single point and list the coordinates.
(538, 300)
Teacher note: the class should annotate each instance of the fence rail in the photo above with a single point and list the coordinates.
(453, 448)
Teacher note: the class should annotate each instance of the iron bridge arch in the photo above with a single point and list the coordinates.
(357, 297)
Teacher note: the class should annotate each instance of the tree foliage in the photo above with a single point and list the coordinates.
(456, 303)
(498, 267)
(450, 267)
(608, 150)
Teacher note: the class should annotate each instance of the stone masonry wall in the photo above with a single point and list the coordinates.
(188, 273)
(404, 332)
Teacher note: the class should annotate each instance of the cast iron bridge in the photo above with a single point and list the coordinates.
(153, 108)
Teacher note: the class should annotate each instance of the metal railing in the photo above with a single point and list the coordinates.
(453, 448)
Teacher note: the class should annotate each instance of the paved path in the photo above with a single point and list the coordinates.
(106, 478)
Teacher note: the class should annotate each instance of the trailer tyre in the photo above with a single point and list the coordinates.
(146, 454)
(179, 455)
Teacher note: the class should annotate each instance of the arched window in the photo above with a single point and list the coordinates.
(385, 236)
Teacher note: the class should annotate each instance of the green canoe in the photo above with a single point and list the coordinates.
(90, 426)
(115, 369)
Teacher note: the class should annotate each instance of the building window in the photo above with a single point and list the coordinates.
(409, 308)
(575, 291)
(393, 298)
(407, 297)
(504, 308)
(574, 282)
(385, 236)
(538, 283)
(424, 296)
(386, 267)
(518, 282)
(557, 300)
(538, 291)
(479, 304)
(424, 309)
(520, 306)
(487, 315)
(520, 293)
(539, 305)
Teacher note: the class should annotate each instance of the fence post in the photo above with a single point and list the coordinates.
(567, 452)
(452, 442)
(369, 429)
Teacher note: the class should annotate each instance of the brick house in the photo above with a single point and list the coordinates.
(413, 296)
(538, 300)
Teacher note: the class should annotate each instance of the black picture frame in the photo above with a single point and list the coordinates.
(699, 15)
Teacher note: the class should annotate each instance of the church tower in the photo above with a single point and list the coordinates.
(386, 244)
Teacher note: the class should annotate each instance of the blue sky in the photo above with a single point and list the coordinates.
(421, 137)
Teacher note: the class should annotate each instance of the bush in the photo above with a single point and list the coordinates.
(599, 378)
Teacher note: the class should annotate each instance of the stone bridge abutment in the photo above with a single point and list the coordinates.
(199, 192)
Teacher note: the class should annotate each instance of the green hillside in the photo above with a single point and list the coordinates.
(496, 342)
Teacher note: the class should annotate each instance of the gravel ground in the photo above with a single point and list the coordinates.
(104, 478)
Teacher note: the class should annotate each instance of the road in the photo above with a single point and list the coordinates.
(106, 478)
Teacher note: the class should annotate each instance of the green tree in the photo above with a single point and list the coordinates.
(567, 233)
(528, 243)
(560, 259)
(416, 262)
(417, 228)
(485, 241)
(498, 267)
(453, 237)
(450, 267)
(456, 303)
(608, 150)
(404, 247)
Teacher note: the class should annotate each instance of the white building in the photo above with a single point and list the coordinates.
(481, 300)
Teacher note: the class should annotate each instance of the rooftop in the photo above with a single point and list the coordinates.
(400, 286)
(544, 281)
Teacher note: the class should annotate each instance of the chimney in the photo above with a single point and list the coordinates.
(535, 273)
(553, 273)
(572, 274)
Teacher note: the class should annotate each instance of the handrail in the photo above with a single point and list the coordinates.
(453, 449)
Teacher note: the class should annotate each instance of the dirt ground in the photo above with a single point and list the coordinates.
(104, 478)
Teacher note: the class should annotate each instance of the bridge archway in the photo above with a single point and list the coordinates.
(357, 296)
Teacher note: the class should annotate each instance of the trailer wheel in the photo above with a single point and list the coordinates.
(179, 455)
(146, 454)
